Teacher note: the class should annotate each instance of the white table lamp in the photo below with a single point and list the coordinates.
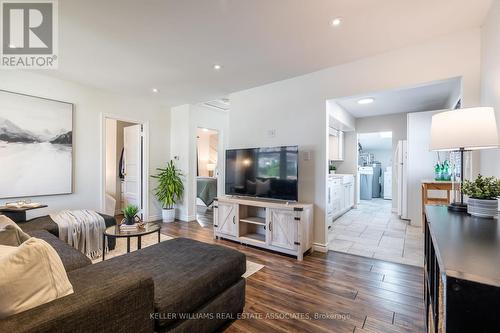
(464, 130)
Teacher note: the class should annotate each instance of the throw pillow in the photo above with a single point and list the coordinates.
(10, 233)
(32, 274)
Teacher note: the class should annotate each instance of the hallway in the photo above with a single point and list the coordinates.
(372, 230)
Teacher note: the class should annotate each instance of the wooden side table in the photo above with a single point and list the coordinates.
(17, 214)
(437, 185)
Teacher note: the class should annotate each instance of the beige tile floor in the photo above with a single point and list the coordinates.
(372, 230)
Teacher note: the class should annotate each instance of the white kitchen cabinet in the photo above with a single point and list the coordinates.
(225, 219)
(342, 197)
(337, 199)
(336, 145)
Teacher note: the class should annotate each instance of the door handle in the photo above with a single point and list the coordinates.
(270, 225)
(233, 220)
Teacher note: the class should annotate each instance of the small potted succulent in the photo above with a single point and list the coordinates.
(332, 169)
(483, 193)
(130, 214)
(169, 190)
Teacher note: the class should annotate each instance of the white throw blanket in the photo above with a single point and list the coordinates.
(82, 229)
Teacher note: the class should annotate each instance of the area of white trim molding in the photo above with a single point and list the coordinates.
(154, 218)
(145, 160)
(323, 248)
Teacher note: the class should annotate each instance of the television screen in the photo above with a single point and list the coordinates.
(263, 172)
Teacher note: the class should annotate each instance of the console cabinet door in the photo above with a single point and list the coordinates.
(226, 218)
(283, 229)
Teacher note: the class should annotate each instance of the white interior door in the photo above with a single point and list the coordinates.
(132, 160)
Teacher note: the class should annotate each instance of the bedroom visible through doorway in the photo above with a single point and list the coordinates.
(206, 173)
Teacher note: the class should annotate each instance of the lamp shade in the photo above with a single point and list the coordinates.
(470, 129)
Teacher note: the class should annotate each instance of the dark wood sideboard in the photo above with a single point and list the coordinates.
(462, 272)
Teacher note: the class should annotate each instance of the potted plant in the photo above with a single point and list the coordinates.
(169, 191)
(130, 213)
(332, 169)
(483, 193)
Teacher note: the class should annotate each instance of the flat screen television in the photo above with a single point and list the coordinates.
(263, 172)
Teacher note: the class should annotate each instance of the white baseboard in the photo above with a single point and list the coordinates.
(320, 247)
(186, 218)
(153, 218)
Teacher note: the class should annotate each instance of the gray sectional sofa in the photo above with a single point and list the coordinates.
(180, 285)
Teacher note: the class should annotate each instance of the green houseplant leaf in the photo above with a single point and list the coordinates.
(130, 211)
(170, 187)
(484, 188)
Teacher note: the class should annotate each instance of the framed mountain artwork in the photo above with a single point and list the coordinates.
(36, 146)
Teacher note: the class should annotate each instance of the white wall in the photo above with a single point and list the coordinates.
(111, 165)
(89, 104)
(421, 161)
(203, 149)
(339, 118)
(295, 108)
(185, 120)
(490, 82)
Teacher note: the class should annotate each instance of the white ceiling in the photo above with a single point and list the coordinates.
(426, 97)
(131, 46)
(374, 141)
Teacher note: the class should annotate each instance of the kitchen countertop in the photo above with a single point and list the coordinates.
(339, 175)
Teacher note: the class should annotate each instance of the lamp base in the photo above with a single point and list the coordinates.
(457, 207)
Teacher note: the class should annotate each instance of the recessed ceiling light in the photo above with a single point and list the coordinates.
(155, 90)
(336, 22)
(205, 130)
(217, 67)
(367, 100)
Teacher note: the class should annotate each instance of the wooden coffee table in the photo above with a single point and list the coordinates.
(116, 232)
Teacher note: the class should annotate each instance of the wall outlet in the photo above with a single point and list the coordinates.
(271, 133)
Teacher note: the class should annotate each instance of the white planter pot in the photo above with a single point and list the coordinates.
(168, 215)
(482, 208)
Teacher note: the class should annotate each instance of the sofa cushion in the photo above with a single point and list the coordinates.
(111, 302)
(32, 274)
(186, 273)
(10, 233)
(71, 258)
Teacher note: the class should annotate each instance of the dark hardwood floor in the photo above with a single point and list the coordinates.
(347, 293)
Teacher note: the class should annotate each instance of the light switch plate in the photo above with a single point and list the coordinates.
(271, 133)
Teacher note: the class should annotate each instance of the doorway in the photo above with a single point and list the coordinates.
(124, 172)
(207, 151)
(375, 164)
